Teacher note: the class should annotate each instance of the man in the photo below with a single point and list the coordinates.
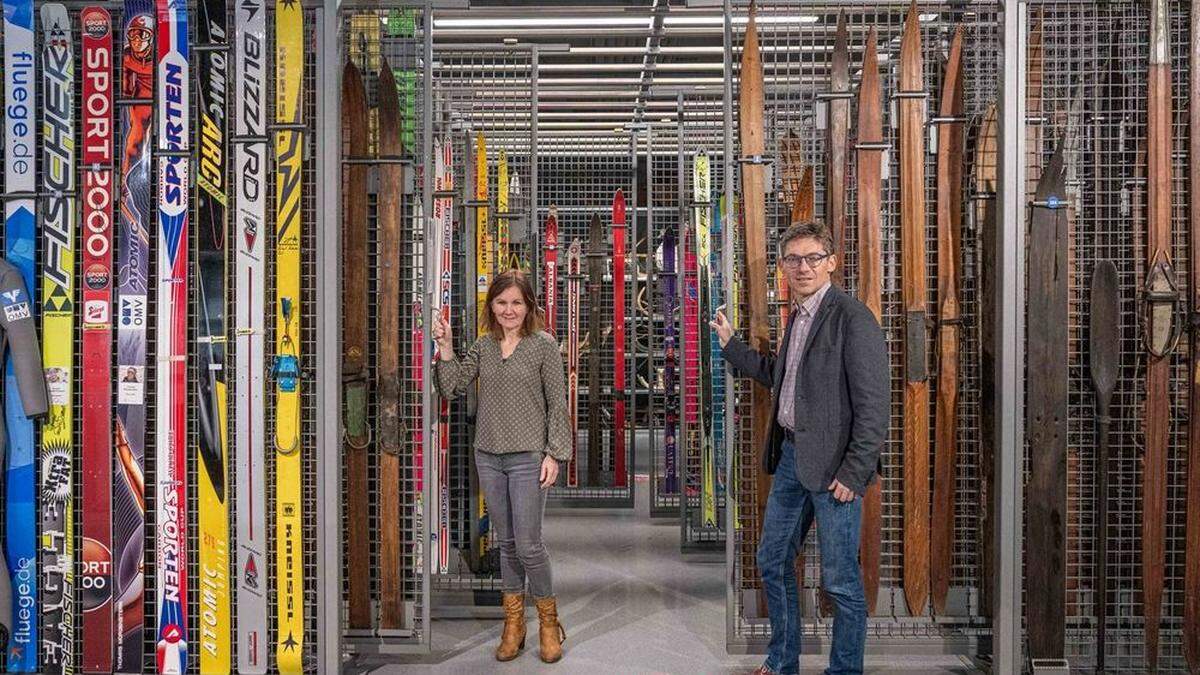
(830, 388)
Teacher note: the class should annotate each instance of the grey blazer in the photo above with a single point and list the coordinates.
(843, 394)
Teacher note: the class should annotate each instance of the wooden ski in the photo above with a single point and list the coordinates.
(355, 383)
(1160, 297)
(387, 329)
(550, 270)
(1047, 342)
(912, 251)
(574, 253)
(837, 141)
(618, 257)
(1104, 353)
(986, 183)
(794, 174)
(595, 256)
(750, 133)
(870, 273)
(1191, 559)
(949, 227)
(95, 578)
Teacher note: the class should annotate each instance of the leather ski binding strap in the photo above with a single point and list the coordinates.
(915, 368)
(357, 433)
(1160, 302)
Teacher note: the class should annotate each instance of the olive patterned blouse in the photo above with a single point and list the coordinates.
(522, 398)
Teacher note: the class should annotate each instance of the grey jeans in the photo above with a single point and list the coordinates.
(516, 503)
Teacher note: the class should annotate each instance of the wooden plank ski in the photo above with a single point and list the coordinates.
(670, 393)
(444, 213)
(502, 214)
(171, 344)
(620, 479)
(95, 577)
(550, 267)
(838, 141)
(355, 348)
(986, 163)
(702, 217)
(1104, 353)
(289, 159)
(1191, 559)
(950, 142)
(133, 264)
(916, 385)
(595, 257)
(750, 133)
(794, 176)
(20, 169)
(1161, 294)
(212, 261)
(57, 548)
(870, 273)
(1047, 414)
(250, 162)
(804, 210)
(388, 373)
(574, 253)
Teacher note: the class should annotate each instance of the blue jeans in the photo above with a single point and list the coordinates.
(791, 509)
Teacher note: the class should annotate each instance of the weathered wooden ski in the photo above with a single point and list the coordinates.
(949, 227)
(388, 373)
(912, 252)
(837, 141)
(986, 163)
(595, 255)
(1104, 320)
(794, 172)
(355, 383)
(870, 273)
(1191, 558)
(1046, 491)
(1160, 297)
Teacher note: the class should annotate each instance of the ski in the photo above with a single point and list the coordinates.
(1161, 295)
(838, 142)
(667, 278)
(620, 479)
(289, 159)
(387, 327)
(595, 260)
(550, 266)
(986, 176)
(355, 348)
(20, 170)
(716, 361)
(58, 340)
(794, 173)
(484, 262)
(95, 578)
(132, 267)
(250, 160)
(690, 385)
(1104, 352)
(916, 385)
(211, 387)
(574, 253)
(172, 339)
(1191, 560)
(950, 142)
(445, 219)
(701, 340)
(870, 273)
(502, 214)
(521, 261)
(750, 132)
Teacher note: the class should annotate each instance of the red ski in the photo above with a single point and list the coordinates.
(96, 571)
(574, 256)
(618, 219)
(551, 267)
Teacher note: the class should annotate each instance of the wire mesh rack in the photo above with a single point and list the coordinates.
(796, 42)
(373, 38)
(1094, 64)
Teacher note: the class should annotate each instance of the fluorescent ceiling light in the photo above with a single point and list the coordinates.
(718, 20)
(541, 22)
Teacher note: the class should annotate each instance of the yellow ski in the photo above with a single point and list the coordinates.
(502, 211)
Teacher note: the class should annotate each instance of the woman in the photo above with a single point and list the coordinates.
(521, 435)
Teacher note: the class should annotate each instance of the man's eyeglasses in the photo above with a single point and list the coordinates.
(812, 259)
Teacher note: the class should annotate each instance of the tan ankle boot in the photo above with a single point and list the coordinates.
(512, 638)
(550, 632)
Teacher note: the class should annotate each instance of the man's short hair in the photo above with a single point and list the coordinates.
(813, 229)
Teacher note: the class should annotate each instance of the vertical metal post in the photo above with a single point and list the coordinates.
(1010, 254)
(732, 486)
(328, 364)
(631, 221)
(428, 402)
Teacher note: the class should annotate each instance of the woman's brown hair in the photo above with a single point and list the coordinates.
(533, 317)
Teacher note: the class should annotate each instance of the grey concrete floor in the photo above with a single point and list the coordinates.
(630, 603)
